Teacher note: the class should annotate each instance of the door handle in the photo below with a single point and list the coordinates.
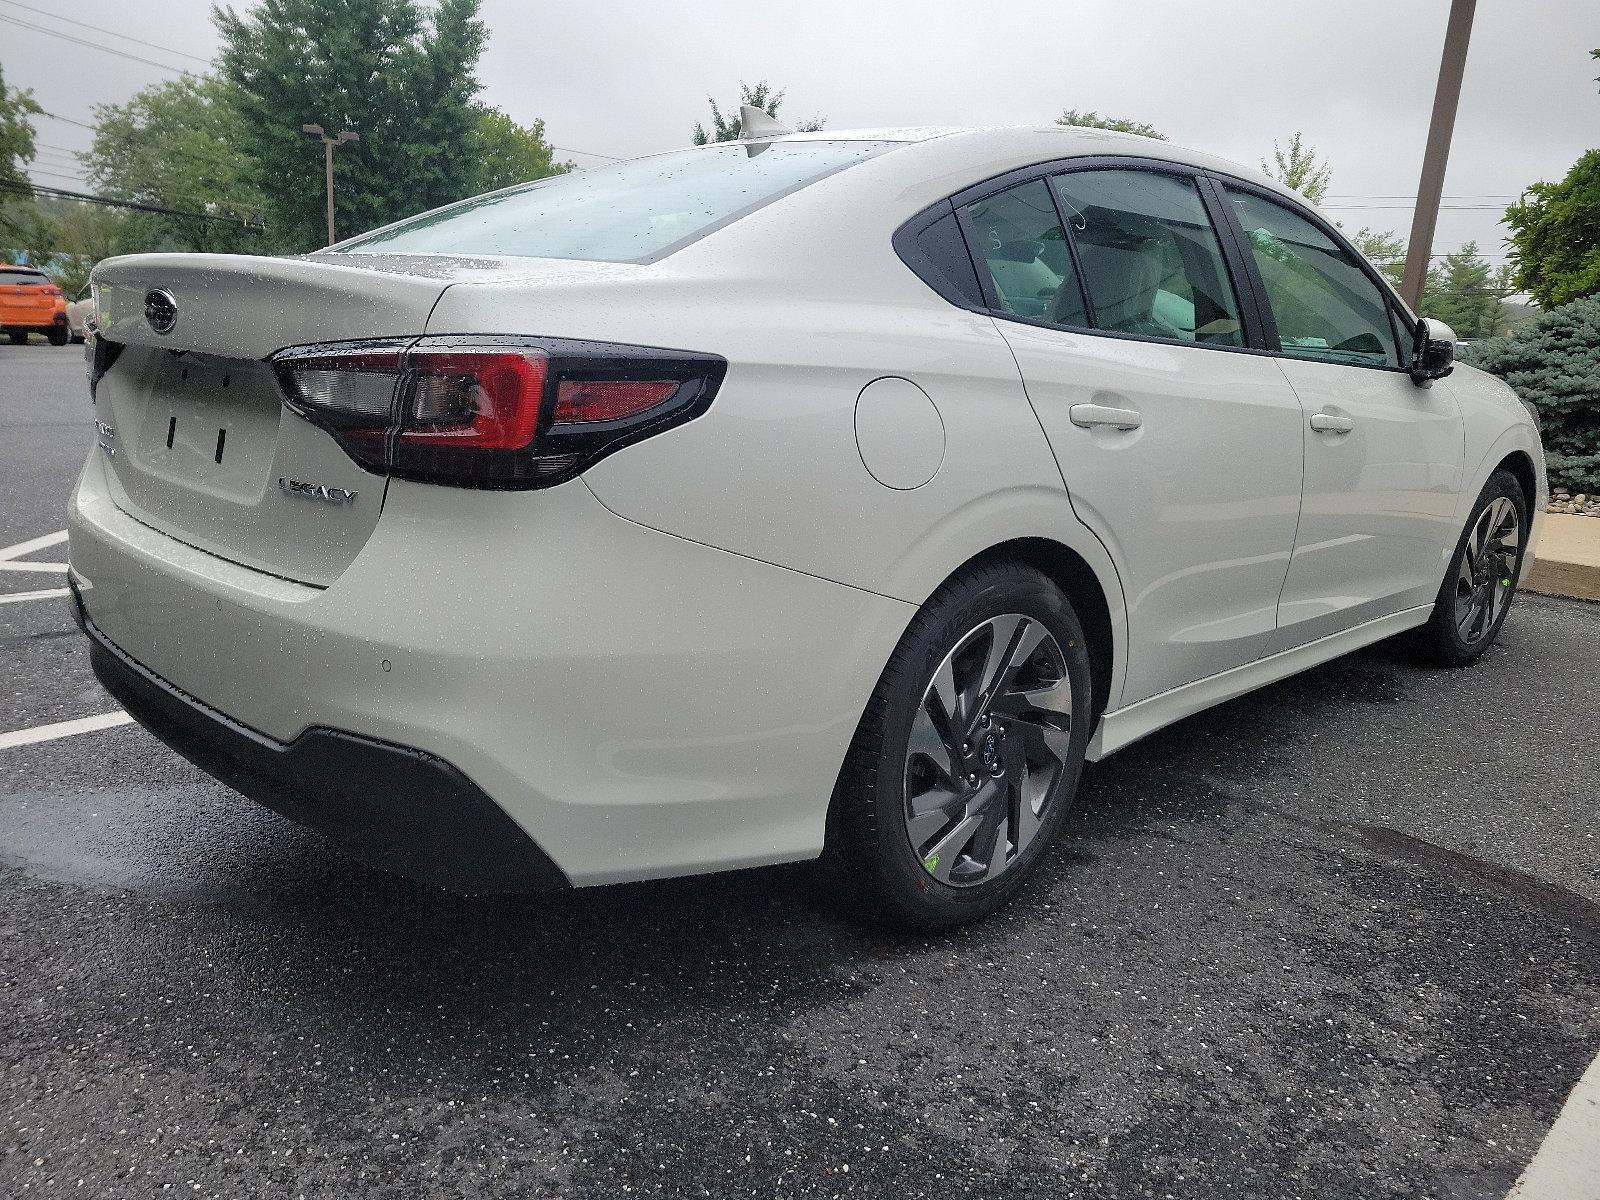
(1089, 415)
(1328, 423)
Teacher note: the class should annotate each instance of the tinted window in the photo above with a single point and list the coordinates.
(1016, 236)
(1326, 307)
(622, 213)
(939, 256)
(14, 276)
(1151, 261)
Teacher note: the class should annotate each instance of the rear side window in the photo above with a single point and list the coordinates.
(629, 212)
(1326, 307)
(1151, 261)
(1017, 239)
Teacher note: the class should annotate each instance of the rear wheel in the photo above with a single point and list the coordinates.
(19, 337)
(58, 335)
(969, 753)
(1482, 579)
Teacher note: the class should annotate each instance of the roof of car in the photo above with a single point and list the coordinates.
(1052, 141)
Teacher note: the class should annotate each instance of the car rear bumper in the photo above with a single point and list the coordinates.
(637, 704)
(33, 323)
(392, 807)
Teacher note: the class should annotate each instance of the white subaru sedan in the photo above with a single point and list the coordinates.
(813, 494)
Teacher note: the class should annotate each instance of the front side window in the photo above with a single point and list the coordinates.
(629, 212)
(1016, 238)
(1151, 261)
(1326, 307)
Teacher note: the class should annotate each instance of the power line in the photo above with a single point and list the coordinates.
(44, 12)
(590, 153)
(1408, 207)
(68, 120)
(59, 175)
(1403, 195)
(89, 198)
(67, 37)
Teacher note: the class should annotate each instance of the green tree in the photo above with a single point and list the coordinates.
(1093, 120)
(1386, 250)
(400, 75)
(506, 153)
(1553, 364)
(729, 128)
(1555, 234)
(1299, 168)
(1465, 292)
(176, 145)
(17, 109)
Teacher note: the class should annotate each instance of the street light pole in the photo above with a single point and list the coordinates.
(1452, 66)
(315, 133)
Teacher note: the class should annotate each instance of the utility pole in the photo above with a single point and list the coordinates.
(1419, 250)
(315, 133)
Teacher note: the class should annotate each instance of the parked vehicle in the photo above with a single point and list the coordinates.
(829, 493)
(80, 309)
(30, 303)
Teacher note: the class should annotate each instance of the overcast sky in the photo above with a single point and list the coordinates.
(629, 77)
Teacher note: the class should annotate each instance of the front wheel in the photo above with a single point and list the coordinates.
(968, 755)
(1482, 578)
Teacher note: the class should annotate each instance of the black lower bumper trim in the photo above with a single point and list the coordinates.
(389, 806)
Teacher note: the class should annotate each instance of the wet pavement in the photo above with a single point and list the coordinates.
(1338, 938)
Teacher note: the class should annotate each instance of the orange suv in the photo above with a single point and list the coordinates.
(30, 303)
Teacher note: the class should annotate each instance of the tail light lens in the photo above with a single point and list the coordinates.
(493, 412)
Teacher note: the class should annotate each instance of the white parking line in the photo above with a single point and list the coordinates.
(47, 594)
(32, 566)
(1567, 1166)
(38, 543)
(61, 729)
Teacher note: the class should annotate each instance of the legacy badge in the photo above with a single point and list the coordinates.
(317, 491)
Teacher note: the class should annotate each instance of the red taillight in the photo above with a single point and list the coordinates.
(51, 289)
(485, 401)
(493, 411)
(579, 401)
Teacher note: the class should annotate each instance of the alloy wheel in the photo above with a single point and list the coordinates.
(1487, 573)
(988, 750)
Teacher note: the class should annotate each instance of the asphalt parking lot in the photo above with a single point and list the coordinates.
(1338, 938)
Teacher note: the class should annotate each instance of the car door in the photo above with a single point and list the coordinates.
(1180, 448)
(1383, 455)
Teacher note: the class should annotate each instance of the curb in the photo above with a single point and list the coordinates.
(1567, 559)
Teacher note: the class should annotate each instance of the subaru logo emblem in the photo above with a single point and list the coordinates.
(989, 751)
(160, 310)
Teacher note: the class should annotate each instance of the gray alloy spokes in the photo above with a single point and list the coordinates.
(988, 749)
(1484, 579)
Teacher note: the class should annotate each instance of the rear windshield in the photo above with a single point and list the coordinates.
(629, 212)
(12, 276)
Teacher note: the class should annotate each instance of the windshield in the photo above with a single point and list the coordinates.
(629, 212)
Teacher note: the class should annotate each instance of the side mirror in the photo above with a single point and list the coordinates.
(1433, 353)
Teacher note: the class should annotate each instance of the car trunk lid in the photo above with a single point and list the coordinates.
(197, 440)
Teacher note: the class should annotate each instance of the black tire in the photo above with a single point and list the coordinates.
(869, 843)
(19, 337)
(58, 335)
(1442, 640)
